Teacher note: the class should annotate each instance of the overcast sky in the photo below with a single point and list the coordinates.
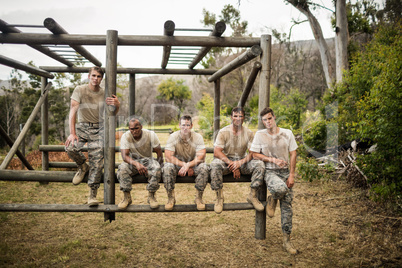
(143, 17)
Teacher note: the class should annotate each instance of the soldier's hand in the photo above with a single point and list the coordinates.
(280, 163)
(236, 174)
(234, 165)
(70, 139)
(190, 172)
(142, 170)
(183, 170)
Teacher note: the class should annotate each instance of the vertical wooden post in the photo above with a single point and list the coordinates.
(265, 76)
(45, 126)
(131, 93)
(22, 146)
(264, 91)
(217, 106)
(110, 122)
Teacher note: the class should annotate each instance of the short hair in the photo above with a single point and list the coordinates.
(135, 118)
(186, 117)
(266, 110)
(97, 69)
(237, 110)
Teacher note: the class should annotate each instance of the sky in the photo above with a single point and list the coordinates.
(144, 17)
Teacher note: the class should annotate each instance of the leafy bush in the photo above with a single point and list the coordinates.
(370, 108)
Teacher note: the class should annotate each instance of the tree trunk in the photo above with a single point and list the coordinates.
(341, 39)
(319, 38)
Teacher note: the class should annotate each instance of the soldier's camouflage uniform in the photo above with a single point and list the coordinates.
(126, 172)
(201, 173)
(219, 168)
(276, 183)
(93, 135)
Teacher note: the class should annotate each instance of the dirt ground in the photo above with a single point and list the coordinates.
(334, 225)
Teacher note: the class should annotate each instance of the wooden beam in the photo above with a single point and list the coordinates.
(110, 122)
(55, 69)
(247, 56)
(67, 176)
(10, 143)
(131, 94)
(113, 208)
(55, 28)
(45, 125)
(5, 28)
(219, 29)
(265, 76)
(24, 131)
(168, 27)
(249, 84)
(217, 107)
(128, 40)
(25, 67)
(61, 148)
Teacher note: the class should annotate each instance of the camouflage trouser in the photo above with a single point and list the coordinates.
(201, 173)
(219, 168)
(94, 137)
(126, 172)
(276, 184)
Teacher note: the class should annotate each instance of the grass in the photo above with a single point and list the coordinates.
(343, 232)
(334, 225)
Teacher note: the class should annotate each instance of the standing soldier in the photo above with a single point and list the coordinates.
(88, 102)
(277, 148)
(185, 154)
(230, 152)
(136, 147)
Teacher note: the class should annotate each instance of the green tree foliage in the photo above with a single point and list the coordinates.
(289, 108)
(206, 115)
(230, 16)
(176, 91)
(370, 108)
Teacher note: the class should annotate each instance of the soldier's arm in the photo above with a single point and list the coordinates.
(159, 155)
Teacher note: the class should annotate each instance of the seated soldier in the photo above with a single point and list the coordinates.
(230, 156)
(185, 154)
(136, 147)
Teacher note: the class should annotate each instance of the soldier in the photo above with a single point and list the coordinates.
(88, 102)
(230, 156)
(277, 148)
(185, 154)
(136, 147)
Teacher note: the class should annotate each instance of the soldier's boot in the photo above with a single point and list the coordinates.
(287, 245)
(126, 201)
(171, 200)
(271, 206)
(152, 200)
(198, 200)
(79, 176)
(92, 201)
(253, 199)
(219, 201)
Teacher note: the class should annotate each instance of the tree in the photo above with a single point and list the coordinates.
(326, 59)
(176, 91)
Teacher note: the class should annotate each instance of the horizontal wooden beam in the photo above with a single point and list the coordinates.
(67, 176)
(114, 208)
(24, 67)
(128, 40)
(62, 148)
(56, 69)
